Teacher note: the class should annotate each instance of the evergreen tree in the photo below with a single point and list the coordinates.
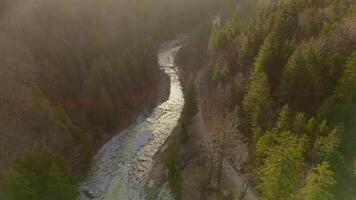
(347, 83)
(283, 122)
(240, 88)
(299, 124)
(318, 181)
(39, 176)
(263, 145)
(249, 48)
(294, 80)
(223, 36)
(258, 102)
(278, 45)
(325, 146)
(281, 171)
(219, 71)
(218, 41)
(342, 104)
(301, 84)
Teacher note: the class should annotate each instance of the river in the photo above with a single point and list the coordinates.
(121, 167)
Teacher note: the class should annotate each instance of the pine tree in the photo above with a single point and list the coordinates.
(219, 71)
(263, 145)
(340, 106)
(301, 84)
(218, 41)
(278, 44)
(283, 122)
(36, 176)
(347, 83)
(294, 86)
(280, 173)
(318, 181)
(258, 102)
(325, 146)
(299, 124)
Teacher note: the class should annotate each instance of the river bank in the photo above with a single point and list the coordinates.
(121, 165)
(197, 158)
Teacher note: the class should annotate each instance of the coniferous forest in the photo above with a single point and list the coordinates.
(268, 104)
(293, 70)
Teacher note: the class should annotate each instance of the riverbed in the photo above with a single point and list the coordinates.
(121, 167)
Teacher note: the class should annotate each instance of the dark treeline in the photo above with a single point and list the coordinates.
(293, 67)
(73, 71)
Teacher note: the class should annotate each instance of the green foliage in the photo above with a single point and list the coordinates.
(250, 45)
(281, 171)
(175, 179)
(240, 88)
(340, 106)
(301, 84)
(334, 66)
(39, 176)
(299, 124)
(283, 122)
(203, 180)
(222, 37)
(278, 44)
(349, 140)
(318, 181)
(298, 54)
(219, 71)
(326, 145)
(344, 176)
(189, 110)
(258, 102)
(218, 41)
(263, 145)
(75, 138)
(267, 54)
(347, 83)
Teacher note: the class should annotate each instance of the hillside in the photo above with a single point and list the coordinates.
(74, 74)
(253, 99)
(288, 76)
(276, 91)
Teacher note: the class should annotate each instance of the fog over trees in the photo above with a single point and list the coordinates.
(74, 71)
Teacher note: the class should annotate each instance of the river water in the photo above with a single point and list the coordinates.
(121, 167)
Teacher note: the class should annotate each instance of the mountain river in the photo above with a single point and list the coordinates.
(121, 167)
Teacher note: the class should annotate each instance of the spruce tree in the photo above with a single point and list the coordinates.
(258, 101)
(281, 171)
(318, 181)
(37, 176)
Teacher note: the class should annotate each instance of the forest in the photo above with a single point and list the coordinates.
(74, 73)
(269, 90)
(292, 68)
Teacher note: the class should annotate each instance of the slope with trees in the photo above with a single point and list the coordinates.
(298, 109)
(74, 73)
